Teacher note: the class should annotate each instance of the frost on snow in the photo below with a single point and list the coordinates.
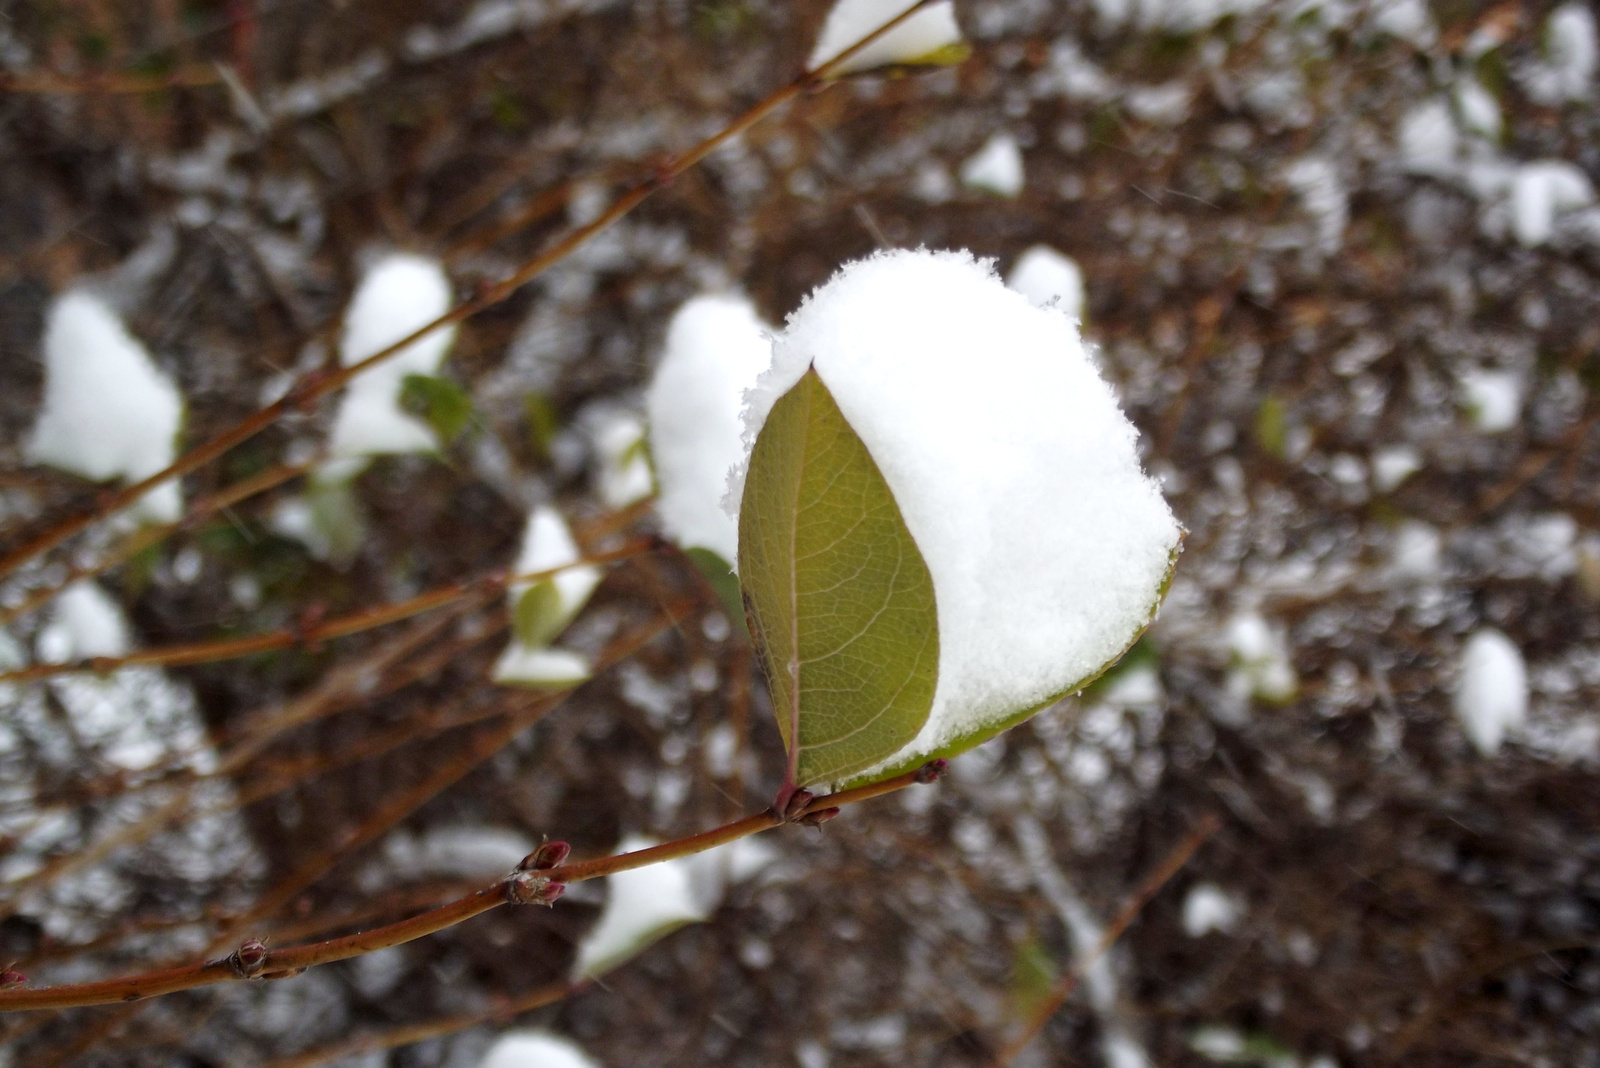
(1045, 276)
(1492, 694)
(398, 296)
(921, 38)
(1493, 399)
(1015, 472)
(546, 544)
(716, 346)
(1209, 908)
(108, 411)
(996, 167)
(536, 1049)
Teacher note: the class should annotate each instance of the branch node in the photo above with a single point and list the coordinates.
(790, 806)
(931, 771)
(533, 888)
(250, 959)
(10, 979)
(819, 817)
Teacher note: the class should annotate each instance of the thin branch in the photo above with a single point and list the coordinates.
(311, 636)
(44, 83)
(314, 386)
(282, 963)
(1169, 866)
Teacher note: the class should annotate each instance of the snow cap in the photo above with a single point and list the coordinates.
(716, 346)
(108, 411)
(547, 544)
(399, 295)
(1015, 471)
(1492, 695)
(922, 35)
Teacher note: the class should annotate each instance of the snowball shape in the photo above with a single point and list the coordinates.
(716, 347)
(399, 295)
(923, 35)
(1493, 399)
(108, 411)
(996, 167)
(536, 1049)
(85, 622)
(1015, 472)
(1207, 908)
(1044, 275)
(1492, 694)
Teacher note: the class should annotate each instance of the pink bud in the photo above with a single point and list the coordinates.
(249, 959)
(10, 979)
(547, 856)
(819, 817)
(795, 806)
(931, 771)
(531, 888)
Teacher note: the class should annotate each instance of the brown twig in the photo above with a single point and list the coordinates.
(44, 83)
(1169, 866)
(282, 963)
(318, 384)
(305, 637)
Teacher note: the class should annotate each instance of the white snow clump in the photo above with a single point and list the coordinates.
(1315, 180)
(108, 411)
(1493, 399)
(1492, 694)
(996, 167)
(1014, 469)
(1429, 140)
(716, 346)
(924, 34)
(1046, 276)
(1393, 465)
(1572, 53)
(644, 904)
(1207, 908)
(622, 466)
(548, 544)
(1262, 667)
(1542, 191)
(84, 622)
(535, 1049)
(399, 295)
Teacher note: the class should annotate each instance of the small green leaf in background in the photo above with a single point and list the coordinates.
(1272, 427)
(542, 423)
(1033, 977)
(724, 582)
(841, 601)
(439, 402)
(540, 616)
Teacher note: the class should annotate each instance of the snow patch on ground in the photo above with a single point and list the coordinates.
(996, 167)
(1491, 697)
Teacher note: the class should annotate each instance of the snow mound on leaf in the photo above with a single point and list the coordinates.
(401, 294)
(716, 346)
(108, 411)
(1492, 695)
(919, 36)
(536, 1049)
(1015, 471)
(547, 544)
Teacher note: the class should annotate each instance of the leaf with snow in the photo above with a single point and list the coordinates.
(996, 167)
(84, 623)
(536, 1049)
(622, 458)
(1011, 466)
(400, 294)
(1262, 667)
(1491, 695)
(1493, 399)
(716, 347)
(542, 609)
(108, 411)
(1049, 278)
(841, 598)
(1571, 56)
(929, 37)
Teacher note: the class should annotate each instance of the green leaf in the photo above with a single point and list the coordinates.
(439, 402)
(839, 597)
(1033, 977)
(540, 615)
(543, 422)
(720, 577)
